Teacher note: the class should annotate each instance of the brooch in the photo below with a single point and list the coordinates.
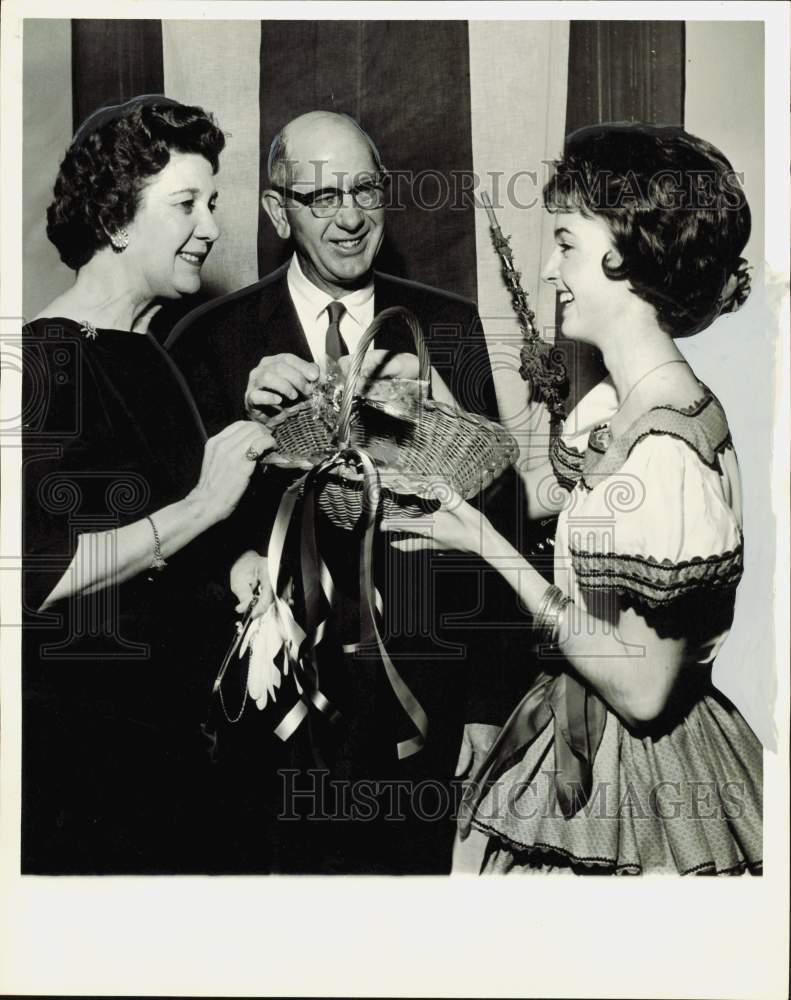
(89, 330)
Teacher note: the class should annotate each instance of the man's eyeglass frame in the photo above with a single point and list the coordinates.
(308, 199)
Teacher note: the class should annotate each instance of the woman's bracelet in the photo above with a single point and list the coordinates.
(547, 620)
(157, 563)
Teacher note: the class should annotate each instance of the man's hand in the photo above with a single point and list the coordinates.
(276, 379)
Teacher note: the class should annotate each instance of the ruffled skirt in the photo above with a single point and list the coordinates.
(684, 799)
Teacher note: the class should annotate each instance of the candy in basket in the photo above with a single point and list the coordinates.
(416, 443)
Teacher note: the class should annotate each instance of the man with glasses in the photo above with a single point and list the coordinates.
(262, 348)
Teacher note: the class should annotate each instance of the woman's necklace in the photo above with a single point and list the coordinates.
(675, 361)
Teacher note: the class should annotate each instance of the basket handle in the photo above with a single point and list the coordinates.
(355, 367)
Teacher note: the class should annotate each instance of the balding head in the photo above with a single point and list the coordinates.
(316, 146)
(323, 154)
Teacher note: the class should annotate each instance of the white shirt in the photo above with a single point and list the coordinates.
(311, 305)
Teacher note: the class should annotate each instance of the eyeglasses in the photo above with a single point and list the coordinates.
(325, 202)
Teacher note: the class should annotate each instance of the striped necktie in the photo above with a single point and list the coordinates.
(335, 345)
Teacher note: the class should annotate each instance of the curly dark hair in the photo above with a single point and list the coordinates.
(100, 180)
(677, 214)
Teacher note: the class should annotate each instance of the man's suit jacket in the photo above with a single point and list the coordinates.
(218, 344)
(216, 347)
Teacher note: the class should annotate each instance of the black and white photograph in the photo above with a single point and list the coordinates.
(395, 449)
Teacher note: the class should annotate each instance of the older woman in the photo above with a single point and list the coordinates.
(623, 757)
(118, 480)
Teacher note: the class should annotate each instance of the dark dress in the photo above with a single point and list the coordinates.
(115, 684)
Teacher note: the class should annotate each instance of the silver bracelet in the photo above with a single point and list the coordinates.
(157, 563)
(559, 620)
(547, 619)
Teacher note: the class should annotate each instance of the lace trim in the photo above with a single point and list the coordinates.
(653, 582)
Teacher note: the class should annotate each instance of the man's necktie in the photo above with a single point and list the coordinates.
(334, 344)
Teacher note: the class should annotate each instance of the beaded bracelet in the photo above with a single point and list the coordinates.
(157, 563)
(547, 619)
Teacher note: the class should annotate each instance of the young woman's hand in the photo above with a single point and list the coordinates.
(229, 460)
(456, 526)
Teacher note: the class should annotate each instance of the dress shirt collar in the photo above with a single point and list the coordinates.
(312, 301)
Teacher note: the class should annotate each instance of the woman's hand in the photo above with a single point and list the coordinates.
(229, 460)
(248, 572)
(456, 526)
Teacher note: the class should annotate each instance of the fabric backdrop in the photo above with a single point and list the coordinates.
(735, 356)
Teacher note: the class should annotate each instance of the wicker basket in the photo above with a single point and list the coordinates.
(419, 452)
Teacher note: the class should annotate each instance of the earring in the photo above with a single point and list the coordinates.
(119, 241)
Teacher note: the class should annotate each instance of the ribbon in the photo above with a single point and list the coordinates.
(306, 675)
(315, 577)
(300, 644)
(369, 632)
(292, 636)
(579, 718)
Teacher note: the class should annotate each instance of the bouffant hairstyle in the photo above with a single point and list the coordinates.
(102, 175)
(677, 213)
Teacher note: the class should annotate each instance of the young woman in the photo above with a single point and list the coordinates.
(623, 757)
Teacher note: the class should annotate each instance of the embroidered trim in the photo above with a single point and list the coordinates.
(546, 852)
(694, 408)
(566, 463)
(702, 426)
(713, 464)
(709, 868)
(653, 582)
